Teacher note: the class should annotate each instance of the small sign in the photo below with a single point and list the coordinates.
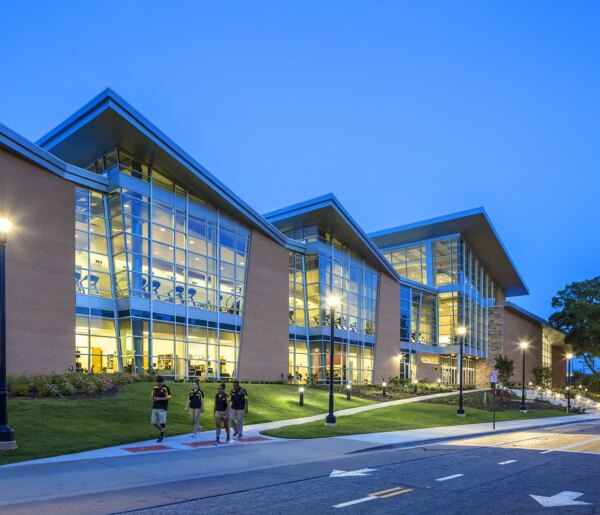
(431, 360)
(493, 377)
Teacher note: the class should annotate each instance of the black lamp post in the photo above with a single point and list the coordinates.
(332, 303)
(569, 358)
(7, 435)
(301, 392)
(461, 331)
(524, 346)
(348, 391)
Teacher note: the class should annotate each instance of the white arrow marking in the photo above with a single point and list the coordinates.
(565, 498)
(350, 473)
(507, 462)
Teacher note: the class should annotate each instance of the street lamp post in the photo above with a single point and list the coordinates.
(524, 346)
(7, 435)
(461, 331)
(332, 303)
(400, 361)
(569, 358)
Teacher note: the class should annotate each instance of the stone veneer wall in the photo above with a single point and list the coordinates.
(496, 347)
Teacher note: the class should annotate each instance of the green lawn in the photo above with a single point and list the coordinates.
(50, 427)
(417, 415)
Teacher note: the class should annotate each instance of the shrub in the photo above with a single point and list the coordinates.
(44, 388)
(88, 386)
(20, 386)
(67, 389)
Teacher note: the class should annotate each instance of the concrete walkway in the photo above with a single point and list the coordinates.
(45, 481)
(205, 439)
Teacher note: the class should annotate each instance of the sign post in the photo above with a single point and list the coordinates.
(493, 380)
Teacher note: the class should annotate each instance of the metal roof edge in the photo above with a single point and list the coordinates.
(34, 153)
(523, 312)
(109, 99)
(429, 221)
(330, 200)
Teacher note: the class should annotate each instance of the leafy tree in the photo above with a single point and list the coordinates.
(542, 376)
(505, 368)
(578, 316)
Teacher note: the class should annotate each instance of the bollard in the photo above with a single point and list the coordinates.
(348, 389)
(384, 386)
(301, 391)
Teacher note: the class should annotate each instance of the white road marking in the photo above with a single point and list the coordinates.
(564, 448)
(356, 501)
(564, 498)
(351, 473)
(506, 462)
(449, 477)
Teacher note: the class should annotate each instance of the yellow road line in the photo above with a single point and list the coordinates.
(395, 493)
(386, 491)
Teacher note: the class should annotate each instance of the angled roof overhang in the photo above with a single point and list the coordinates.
(327, 212)
(21, 146)
(107, 121)
(476, 227)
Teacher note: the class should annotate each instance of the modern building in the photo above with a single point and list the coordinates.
(128, 255)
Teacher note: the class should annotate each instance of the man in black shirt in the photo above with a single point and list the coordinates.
(221, 412)
(160, 401)
(239, 407)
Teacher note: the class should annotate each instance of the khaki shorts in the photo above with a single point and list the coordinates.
(159, 416)
(221, 416)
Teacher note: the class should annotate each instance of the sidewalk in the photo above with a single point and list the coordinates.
(54, 480)
(205, 439)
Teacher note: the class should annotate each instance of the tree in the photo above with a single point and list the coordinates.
(505, 368)
(578, 316)
(542, 376)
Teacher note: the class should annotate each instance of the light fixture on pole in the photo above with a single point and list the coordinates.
(301, 392)
(7, 435)
(333, 302)
(569, 358)
(348, 391)
(461, 331)
(400, 361)
(384, 388)
(523, 346)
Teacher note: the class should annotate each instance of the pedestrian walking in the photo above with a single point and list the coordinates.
(221, 412)
(160, 402)
(195, 406)
(239, 408)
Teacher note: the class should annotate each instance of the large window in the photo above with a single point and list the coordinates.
(409, 261)
(330, 266)
(173, 250)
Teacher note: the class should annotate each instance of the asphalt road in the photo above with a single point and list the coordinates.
(495, 475)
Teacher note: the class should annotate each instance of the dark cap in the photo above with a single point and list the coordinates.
(160, 379)
(222, 385)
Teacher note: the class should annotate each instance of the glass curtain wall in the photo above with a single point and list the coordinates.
(330, 266)
(95, 336)
(418, 316)
(466, 291)
(174, 252)
(410, 261)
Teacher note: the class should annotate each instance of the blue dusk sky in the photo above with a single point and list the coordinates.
(404, 110)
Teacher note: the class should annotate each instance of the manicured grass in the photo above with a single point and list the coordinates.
(50, 427)
(417, 415)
